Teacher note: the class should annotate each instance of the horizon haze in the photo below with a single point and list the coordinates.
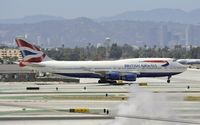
(88, 8)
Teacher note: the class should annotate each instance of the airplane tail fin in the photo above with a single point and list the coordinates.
(30, 53)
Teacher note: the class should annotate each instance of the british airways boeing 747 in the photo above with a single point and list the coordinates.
(106, 71)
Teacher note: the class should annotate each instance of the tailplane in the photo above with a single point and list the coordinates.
(30, 53)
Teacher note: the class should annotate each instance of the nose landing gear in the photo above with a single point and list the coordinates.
(168, 79)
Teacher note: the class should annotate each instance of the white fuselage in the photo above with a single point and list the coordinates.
(137, 66)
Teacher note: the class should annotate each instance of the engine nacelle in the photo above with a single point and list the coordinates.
(113, 76)
(129, 77)
(119, 76)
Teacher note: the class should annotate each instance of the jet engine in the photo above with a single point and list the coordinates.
(129, 77)
(113, 76)
(121, 76)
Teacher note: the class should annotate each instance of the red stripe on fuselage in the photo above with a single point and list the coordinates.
(155, 61)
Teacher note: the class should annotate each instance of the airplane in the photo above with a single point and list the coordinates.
(189, 61)
(105, 71)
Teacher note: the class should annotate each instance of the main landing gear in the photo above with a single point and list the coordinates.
(104, 80)
(168, 79)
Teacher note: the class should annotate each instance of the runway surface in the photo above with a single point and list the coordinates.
(90, 103)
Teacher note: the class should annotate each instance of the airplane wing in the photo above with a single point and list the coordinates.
(114, 74)
(103, 72)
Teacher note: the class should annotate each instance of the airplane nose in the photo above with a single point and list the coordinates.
(182, 67)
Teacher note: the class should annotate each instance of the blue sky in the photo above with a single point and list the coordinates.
(86, 8)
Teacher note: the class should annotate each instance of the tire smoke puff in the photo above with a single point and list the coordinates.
(144, 103)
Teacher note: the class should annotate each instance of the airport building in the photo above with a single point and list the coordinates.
(13, 73)
(8, 52)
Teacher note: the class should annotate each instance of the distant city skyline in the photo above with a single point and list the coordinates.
(86, 8)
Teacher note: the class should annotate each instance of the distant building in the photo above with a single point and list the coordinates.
(151, 37)
(107, 44)
(188, 35)
(10, 53)
(163, 35)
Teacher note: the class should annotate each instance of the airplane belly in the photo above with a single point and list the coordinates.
(159, 72)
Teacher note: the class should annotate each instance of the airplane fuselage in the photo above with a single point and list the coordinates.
(94, 69)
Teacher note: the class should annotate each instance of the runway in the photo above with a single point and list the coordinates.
(51, 103)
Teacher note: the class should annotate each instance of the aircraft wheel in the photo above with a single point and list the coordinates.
(102, 81)
(113, 82)
(168, 80)
(99, 81)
